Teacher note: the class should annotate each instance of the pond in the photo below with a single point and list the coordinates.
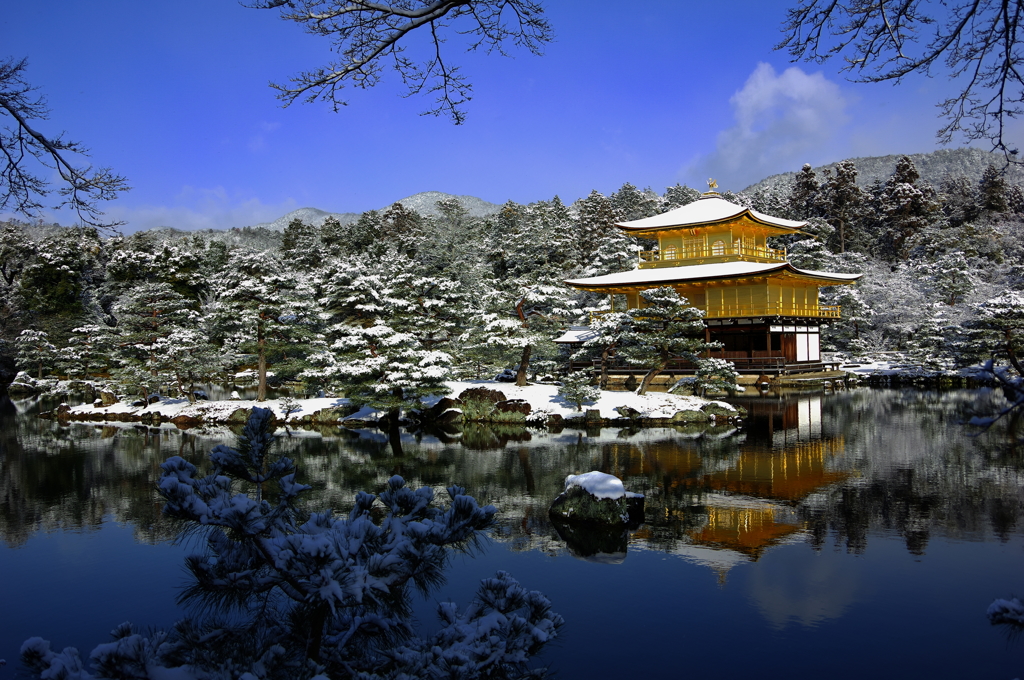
(845, 535)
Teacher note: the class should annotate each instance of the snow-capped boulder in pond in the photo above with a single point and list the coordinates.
(598, 497)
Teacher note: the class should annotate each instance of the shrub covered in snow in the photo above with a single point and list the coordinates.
(296, 594)
(577, 389)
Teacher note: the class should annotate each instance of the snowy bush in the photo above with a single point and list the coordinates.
(290, 594)
(577, 388)
(715, 374)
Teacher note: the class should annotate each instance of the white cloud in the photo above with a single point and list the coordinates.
(782, 120)
(199, 209)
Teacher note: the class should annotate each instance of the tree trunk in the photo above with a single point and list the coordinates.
(261, 344)
(316, 631)
(524, 364)
(603, 380)
(394, 431)
(649, 378)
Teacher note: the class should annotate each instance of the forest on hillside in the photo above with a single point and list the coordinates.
(399, 296)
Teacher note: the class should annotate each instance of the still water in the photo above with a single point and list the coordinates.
(850, 535)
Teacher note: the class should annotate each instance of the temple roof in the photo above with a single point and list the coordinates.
(704, 272)
(709, 209)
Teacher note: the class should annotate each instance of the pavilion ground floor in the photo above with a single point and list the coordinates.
(761, 346)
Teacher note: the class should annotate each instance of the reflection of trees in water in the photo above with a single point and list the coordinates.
(841, 467)
(920, 471)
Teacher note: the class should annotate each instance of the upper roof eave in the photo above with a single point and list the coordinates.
(706, 210)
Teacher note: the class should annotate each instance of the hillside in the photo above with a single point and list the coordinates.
(933, 167)
(425, 203)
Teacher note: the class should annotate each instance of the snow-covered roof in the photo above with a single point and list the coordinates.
(577, 334)
(702, 272)
(708, 209)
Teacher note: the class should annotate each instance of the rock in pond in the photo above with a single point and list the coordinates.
(599, 498)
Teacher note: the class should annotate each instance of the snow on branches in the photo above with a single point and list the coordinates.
(313, 593)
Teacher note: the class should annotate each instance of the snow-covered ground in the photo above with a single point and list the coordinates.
(543, 399)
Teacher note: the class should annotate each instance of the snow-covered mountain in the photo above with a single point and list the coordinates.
(933, 167)
(311, 216)
(425, 203)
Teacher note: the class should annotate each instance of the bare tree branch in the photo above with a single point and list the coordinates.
(22, 146)
(884, 40)
(369, 36)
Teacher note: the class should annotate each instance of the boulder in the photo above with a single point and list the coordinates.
(513, 406)
(446, 410)
(507, 376)
(481, 394)
(690, 417)
(627, 412)
(108, 397)
(599, 498)
(717, 411)
(185, 422)
(328, 416)
(593, 416)
(18, 389)
(240, 415)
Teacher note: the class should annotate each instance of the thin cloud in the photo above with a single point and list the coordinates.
(782, 120)
(200, 209)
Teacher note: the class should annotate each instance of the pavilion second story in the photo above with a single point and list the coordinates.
(710, 230)
(716, 255)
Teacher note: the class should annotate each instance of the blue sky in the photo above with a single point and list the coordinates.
(175, 96)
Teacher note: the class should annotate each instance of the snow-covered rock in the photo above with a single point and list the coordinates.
(598, 497)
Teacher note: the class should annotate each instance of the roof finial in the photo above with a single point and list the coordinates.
(712, 184)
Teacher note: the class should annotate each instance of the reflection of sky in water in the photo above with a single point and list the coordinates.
(864, 527)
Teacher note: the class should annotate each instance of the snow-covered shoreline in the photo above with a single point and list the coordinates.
(546, 406)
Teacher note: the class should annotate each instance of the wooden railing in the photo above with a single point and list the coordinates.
(744, 311)
(650, 257)
(778, 309)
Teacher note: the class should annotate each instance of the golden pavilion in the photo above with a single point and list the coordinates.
(764, 311)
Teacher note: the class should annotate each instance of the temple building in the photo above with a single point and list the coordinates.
(764, 311)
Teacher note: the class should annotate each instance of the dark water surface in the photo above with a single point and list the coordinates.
(854, 535)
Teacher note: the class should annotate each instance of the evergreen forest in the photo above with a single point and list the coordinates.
(400, 298)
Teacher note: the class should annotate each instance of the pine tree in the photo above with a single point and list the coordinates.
(679, 195)
(35, 350)
(842, 201)
(665, 328)
(903, 210)
(268, 308)
(803, 199)
(281, 592)
(992, 191)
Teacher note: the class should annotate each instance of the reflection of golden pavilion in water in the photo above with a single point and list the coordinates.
(748, 500)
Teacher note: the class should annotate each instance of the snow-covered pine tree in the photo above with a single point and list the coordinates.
(268, 308)
(679, 195)
(34, 350)
(843, 202)
(146, 315)
(301, 247)
(607, 330)
(952, 278)
(578, 388)
(718, 375)
(667, 327)
(282, 592)
(630, 203)
(903, 210)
